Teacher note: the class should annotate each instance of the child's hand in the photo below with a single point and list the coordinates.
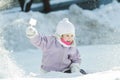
(31, 32)
(75, 67)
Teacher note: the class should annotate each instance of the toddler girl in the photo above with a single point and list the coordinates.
(59, 51)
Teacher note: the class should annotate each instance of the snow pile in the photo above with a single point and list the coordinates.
(5, 4)
(8, 67)
(92, 27)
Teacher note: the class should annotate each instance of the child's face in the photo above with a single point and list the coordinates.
(68, 37)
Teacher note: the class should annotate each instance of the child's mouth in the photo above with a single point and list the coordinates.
(68, 41)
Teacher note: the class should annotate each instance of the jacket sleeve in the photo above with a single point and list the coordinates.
(75, 57)
(40, 41)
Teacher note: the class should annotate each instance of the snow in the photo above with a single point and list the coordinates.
(5, 4)
(58, 1)
(97, 36)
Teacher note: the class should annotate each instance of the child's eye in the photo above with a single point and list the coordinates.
(67, 35)
(71, 35)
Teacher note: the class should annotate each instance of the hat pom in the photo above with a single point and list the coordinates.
(66, 20)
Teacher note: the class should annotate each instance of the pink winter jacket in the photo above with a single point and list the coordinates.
(55, 57)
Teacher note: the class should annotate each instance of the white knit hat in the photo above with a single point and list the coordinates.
(65, 27)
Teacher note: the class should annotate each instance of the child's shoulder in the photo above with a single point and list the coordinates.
(74, 48)
(50, 37)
